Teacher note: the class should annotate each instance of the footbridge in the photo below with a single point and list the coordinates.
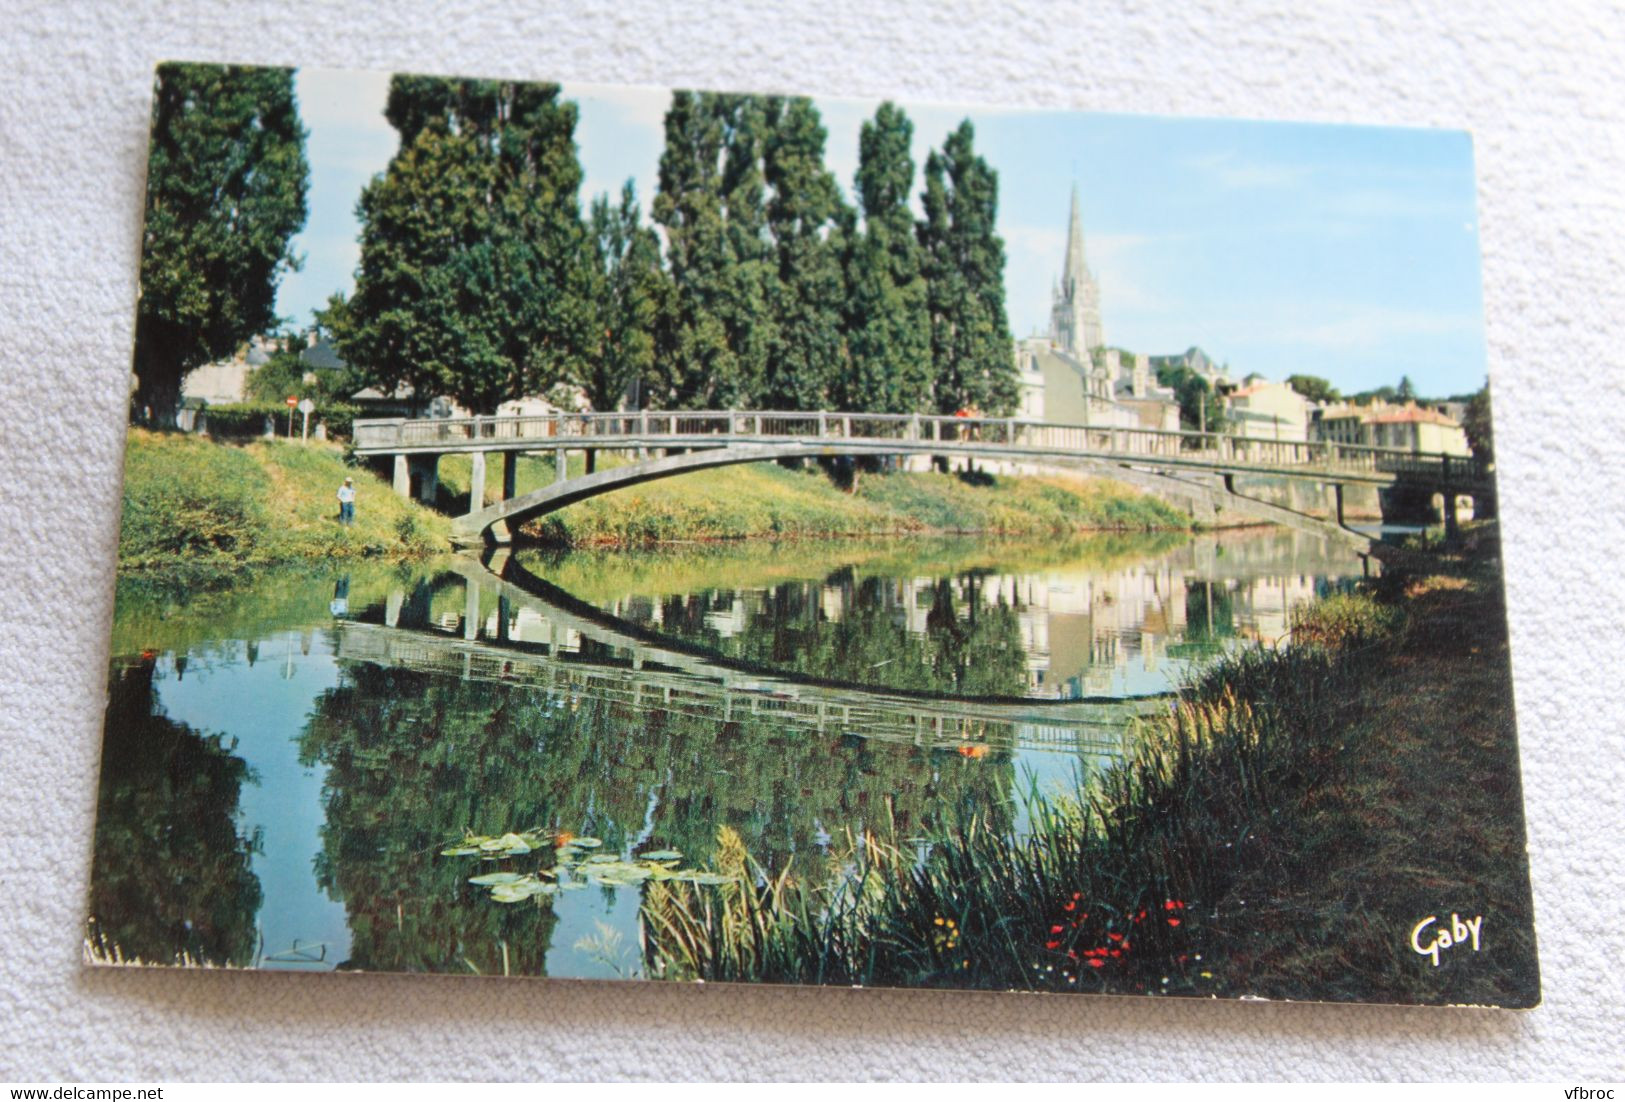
(588, 654)
(663, 444)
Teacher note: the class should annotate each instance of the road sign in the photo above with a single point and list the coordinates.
(292, 401)
(306, 407)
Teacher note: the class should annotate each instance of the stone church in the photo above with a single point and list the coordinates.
(1072, 376)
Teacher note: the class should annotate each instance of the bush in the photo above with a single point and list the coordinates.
(244, 420)
(1345, 620)
(339, 419)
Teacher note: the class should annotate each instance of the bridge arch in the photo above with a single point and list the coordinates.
(492, 524)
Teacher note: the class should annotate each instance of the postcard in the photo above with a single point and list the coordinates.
(672, 536)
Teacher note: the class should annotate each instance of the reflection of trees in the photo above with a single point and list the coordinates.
(415, 759)
(977, 653)
(1210, 613)
(171, 875)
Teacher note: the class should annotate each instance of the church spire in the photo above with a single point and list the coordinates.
(1076, 272)
(1075, 317)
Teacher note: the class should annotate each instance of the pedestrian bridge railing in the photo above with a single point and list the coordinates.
(874, 431)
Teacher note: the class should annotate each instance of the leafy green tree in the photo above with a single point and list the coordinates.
(807, 295)
(964, 268)
(714, 332)
(1314, 388)
(286, 372)
(1381, 393)
(627, 284)
(1479, 427)
(472, 280)
(1405, 392)
(1199, 407)
(226, 183)
(889, 326)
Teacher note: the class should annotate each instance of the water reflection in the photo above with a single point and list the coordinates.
(795, 693)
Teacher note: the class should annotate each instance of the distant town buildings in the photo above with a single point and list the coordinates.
(1262, 410)
(1071, 376)
(1408, 426)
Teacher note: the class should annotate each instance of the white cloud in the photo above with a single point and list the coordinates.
(1233, 173)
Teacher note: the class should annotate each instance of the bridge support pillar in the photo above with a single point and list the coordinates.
(471, 611)
(561, 465)
(403, 476)
(476, 483)
(428, 472)
(1452, 523)
(1337, 497)
(510, 473)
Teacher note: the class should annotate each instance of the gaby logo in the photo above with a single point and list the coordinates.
(1429, 940)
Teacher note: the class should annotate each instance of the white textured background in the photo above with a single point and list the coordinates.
(1542, 94)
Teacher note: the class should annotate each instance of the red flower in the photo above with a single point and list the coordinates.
(1097, 963)
(1052, 945)
(1071, 906)
(1173, 905)
(1055, 929)
(1117, 952)
(1173, 922)
(1077, 895)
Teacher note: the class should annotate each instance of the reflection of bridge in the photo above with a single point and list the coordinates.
(694, 441)
(638, 669)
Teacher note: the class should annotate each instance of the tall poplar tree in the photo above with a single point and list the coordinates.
(807, 350)
(626, 288)
(890, 369)
(971, 348)
(473, 279)
(226, 184)
(714, 330)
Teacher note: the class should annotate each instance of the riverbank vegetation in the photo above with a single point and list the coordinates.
(1278, 834)
(766, 500)
(193, 503)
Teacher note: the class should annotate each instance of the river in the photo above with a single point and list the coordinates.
(286, 758)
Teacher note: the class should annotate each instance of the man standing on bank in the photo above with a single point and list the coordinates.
(347, 502)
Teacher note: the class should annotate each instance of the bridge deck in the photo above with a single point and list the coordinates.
(858, 433)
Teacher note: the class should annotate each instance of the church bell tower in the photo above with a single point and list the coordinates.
(1075, 316)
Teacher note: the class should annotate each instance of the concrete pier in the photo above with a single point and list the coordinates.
(476, 482)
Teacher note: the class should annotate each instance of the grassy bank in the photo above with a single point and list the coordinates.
(1278, 835)
(764, 499)
(193, 503)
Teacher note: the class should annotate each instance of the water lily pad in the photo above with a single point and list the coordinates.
(460, 851)
(602, 859)
(707, 878)
(661, 855)
(512, 893)
(586, 843)
(492, 878)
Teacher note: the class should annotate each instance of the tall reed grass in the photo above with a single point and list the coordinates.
(1117, 886)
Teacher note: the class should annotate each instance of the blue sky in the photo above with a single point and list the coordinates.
(1346, 252)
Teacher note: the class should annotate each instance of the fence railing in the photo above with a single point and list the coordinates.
(669, 428)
